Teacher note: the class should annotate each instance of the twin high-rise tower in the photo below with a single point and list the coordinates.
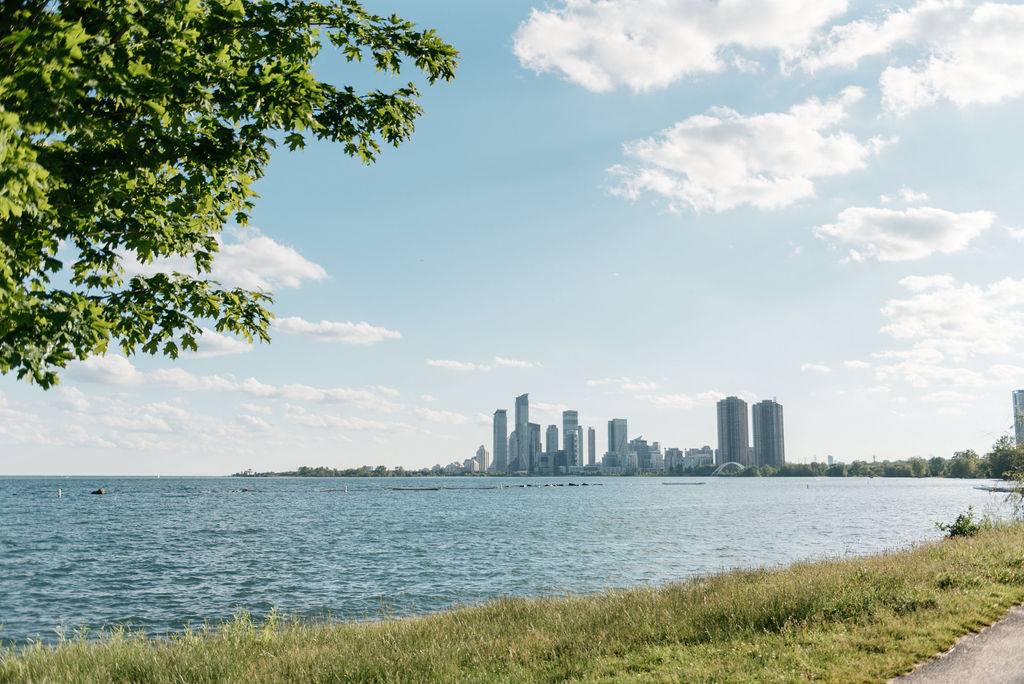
(733, 438)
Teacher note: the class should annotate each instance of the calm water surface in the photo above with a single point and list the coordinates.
(164, 553)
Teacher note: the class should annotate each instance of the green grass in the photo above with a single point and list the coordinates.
(854, 620)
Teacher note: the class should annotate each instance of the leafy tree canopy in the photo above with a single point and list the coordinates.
(134, 130)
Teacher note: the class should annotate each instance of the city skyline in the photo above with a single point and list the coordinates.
(818, 202)
(625, 456)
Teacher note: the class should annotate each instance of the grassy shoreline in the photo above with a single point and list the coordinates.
(851, 620)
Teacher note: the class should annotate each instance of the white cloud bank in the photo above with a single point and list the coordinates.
(645, 44)
(114, 369)
(624, 384)
(683, 402)
(456, 365)
(949, 324)
(723, 159)
(499, 362)
(513, 363)
(959, 320)
(814, 368)
(445, 417)
(903, 235)
(246, 258)
(973, 55)
(330, 331)
(212, 343)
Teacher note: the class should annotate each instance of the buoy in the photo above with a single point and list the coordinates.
(58, 492)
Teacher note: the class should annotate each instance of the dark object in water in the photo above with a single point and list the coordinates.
(101, 490)
(415, 489)
(682, 483)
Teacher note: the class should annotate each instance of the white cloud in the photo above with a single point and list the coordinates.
(942, 317)
(723, 159)
(1015, 233)
(814, 368)
(974, 54)
(948, 323)
(980, 62)
(921, 373)
(428, 397)
(906, 195)
(212, 343)
(911, 197)
(446, 417)
(683, 402)
(894, 235)
(645, 44)
(930, 21)
(949, 396)
(71, 398)
(117, 370)
(246, 258)
(515, 364)
(1004, 373)
(548, 411)
(625, 384)
(856, 364)
(457, 365)
(253, 422)
(321, 420)
(257, 408)
(330, 331)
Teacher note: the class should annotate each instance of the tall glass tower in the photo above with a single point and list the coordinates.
(500, 449)
(617, 440)
(733, 434)
(769, 442)
(1018, 416)
(522, 457)
(570, 424)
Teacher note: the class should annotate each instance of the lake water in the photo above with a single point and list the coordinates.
(163, 553)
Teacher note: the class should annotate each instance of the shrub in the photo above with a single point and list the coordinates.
(965, 525)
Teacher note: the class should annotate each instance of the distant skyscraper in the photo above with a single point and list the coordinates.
(570, 421)
(551, 439)
(571, 447)
(591, 446)
(1018, 416)
(733, 434)
(522, 456)
(617, 441)
(482, 458)
(500, 445)
(579, 445)
(513, 448)
(532, 447)
(673, 458)
(769, 440)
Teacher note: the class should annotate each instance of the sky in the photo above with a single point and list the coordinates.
(627, 208)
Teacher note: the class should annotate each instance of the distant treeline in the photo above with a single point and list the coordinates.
(1005, 461)
(324, 471)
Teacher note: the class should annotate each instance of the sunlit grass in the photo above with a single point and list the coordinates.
(854, 620)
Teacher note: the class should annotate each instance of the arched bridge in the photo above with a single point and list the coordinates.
(729, 468)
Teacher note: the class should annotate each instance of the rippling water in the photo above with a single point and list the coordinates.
(163, 553)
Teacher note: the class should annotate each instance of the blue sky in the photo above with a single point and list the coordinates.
(631, 209)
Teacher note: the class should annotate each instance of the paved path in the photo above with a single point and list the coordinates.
(995, 655)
